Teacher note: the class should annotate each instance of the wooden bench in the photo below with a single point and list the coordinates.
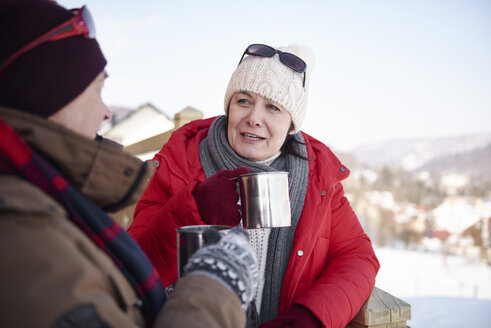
(382, 310)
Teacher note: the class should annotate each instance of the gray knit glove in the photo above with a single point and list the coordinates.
(229, 260)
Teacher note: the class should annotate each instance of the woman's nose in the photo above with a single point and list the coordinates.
(254, 117)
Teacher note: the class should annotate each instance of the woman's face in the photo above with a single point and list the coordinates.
(257, 127)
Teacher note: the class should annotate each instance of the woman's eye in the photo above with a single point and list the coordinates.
(274, 108)
(243, 101)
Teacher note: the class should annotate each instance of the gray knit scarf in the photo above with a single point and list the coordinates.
(215, 155)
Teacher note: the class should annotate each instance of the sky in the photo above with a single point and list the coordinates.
(384, 69)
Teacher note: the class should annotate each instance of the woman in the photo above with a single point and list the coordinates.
(319, 271)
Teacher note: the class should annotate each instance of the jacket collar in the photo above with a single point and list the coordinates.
(108, 176)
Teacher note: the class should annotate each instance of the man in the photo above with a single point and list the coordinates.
(64, 262)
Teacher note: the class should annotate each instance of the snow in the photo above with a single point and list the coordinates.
(444, 291)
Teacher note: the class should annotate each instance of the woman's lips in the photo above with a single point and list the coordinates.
(252, 137)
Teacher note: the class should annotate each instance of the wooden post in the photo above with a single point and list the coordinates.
(186, 115)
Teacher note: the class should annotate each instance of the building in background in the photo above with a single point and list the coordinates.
(143, 131)
(140, 124)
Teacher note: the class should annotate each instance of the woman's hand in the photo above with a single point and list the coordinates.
(295, 317)
(217, 198)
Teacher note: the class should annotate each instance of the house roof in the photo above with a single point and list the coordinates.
(141, 124)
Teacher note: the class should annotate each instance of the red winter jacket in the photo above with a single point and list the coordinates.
(332, 266)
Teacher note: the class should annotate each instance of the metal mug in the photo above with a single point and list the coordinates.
(190, 239)
(265, 200)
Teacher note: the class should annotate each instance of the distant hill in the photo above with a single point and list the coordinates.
(476, 163)
(472, 152)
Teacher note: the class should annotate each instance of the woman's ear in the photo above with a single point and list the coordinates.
(292, 129)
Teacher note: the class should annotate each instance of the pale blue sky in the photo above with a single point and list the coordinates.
(384, 69)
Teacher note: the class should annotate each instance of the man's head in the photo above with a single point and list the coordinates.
(45, 74)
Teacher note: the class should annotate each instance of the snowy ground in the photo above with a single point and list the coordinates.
(443, 291)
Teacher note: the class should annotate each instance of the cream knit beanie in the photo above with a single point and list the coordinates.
(275, 81)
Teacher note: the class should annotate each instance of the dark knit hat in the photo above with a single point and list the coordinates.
(52, 74)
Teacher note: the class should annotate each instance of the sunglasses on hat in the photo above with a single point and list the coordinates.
(80, 24)
(290, 60)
